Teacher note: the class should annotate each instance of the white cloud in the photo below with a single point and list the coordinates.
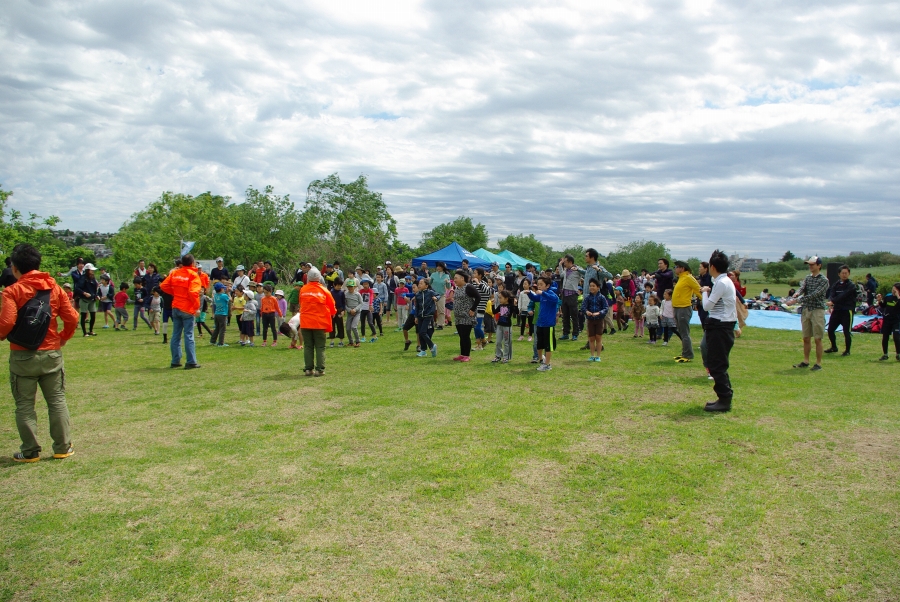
(702, 124)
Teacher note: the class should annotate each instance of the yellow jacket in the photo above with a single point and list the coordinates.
(685, 288)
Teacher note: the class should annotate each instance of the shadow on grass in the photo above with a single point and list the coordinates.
(691, 413)
(295, 375)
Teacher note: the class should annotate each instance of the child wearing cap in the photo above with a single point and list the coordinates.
(68, 288)
(368, 295)
(248, 318)
(282, 305)
(353, 302)
(221, 307)
(269, 310)
(402, 304)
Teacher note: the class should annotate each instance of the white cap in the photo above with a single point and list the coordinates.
(218, 259)
(279, 292)
(240, 267)
(89, 266)
(249, 293)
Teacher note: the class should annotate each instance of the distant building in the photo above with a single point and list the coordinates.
(99, 250)
(852, 253)
(744, 264)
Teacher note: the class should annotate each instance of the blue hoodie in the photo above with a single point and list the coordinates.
(547, 314)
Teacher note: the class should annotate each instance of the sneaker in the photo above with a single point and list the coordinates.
(457, 358)
(683, 360)
(434, 350)
(564, 337)
(504, 361)
(440, 328)
(898, 357)
(665, 343)
(65, 454)
(815, 368)
(373, 339)
(223, 345)
(421, 354)
(331, 345)
(832, 350)
(522, 338)
(307, 373)
(406, 345)
(319, 373)
(464, 358)
(174, 365)
(496, 360)
(106, 327)
(545, 368)
(191, 366)
(574, 338)
(529, 339)
(587, 347)
(591, 359)
(535, 360)
(341, 344)
(597, 359)
(20, 457)
(845, 354)
(265, 344)
(802, 365)
(612, 331)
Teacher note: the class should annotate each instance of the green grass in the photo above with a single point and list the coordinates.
(400, 478)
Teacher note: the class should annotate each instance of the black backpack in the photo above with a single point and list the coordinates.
(32, 322)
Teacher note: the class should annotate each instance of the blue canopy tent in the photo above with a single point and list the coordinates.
(517, 261)
(491, 257)
(452, 256)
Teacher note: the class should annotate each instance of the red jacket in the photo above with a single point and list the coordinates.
(18, 294)
(316, 307)
(184, 285)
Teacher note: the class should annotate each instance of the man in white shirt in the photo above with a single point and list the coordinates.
(719, 301)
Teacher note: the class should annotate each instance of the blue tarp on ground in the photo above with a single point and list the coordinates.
(452, 256)
(778, 320)
(517, 261)
(491, 257)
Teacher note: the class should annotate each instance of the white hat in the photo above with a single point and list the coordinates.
(89, 266)
(279, 292)
(250, 294)
(218, 259)
(240, 267)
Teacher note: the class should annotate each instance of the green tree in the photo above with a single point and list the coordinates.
(347, 221)
(156, 232)
(527, 246)
(787, 256)
(461, 230)
(779, 271)
(15, 228)
(636, 256)
(271, 229)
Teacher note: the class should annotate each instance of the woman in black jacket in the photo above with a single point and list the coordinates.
(842, 301)
(890, 310)
(86, 292)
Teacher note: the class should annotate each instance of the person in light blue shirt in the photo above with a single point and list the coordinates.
(221, 308)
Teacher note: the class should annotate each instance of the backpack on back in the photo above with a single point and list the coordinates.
(32, 322)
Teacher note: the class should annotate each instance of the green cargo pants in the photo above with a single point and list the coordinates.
(27, 371)
(313, 344)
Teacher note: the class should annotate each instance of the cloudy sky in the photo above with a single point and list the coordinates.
(757, 127)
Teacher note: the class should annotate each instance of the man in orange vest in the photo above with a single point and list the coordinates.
(40, 364)
(184, 285)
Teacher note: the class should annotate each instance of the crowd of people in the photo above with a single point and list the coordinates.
(325, 306)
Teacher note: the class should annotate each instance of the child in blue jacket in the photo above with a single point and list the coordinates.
(546, 321)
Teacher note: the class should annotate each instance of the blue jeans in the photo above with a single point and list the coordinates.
(479, 326)
(182, 322)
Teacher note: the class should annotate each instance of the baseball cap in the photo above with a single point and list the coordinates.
(218, 259)
(219, 286)
(250, 294)
(89, 266)
(67, 285)
(350, 282)
(811, 260)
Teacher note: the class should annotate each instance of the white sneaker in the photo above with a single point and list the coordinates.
(665, 343)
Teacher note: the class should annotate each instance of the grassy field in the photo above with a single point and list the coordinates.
(402, 478)
(756, 282)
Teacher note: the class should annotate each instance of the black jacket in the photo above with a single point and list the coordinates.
(890, 309)
(270, 276)
(843, 295)
(85, 285)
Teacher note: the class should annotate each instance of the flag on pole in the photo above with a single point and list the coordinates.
(186, 246)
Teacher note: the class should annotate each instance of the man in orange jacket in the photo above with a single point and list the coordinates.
(184, 285)
(316, 312)
(42, 367)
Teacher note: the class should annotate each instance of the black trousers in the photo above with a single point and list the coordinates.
(218, 335)
(268, 321)
(570, 314)
(887, 330)
(719, 341)
(465, 339)
(425, 328)
(844, 319)
(377, 319)
(337, 327)
(365, 317)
